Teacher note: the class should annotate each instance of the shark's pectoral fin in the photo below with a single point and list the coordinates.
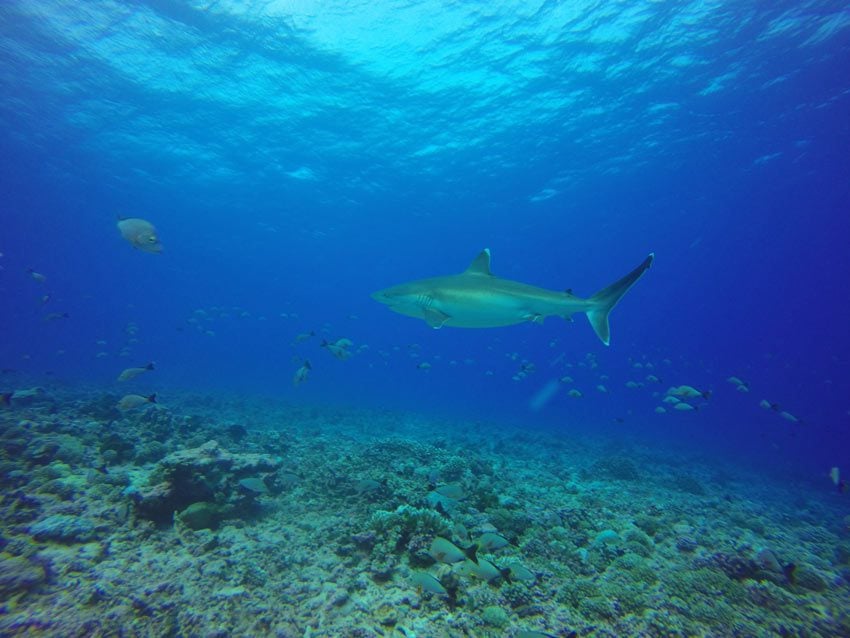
(434, 318)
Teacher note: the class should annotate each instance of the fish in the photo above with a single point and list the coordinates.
(338, 348)
(688, 392)
(426, 582)
(140, 233)
(131, 401)
(521, 572)
(300, 338)
(132, 373)
(302, 373)
(451, 490)
(37, 276)
(443, 550)
(364, 486)
(476, 298)
(255, 485)
(484, 570)
(835, 475)
(461, 532)
(767, 405)
(490, 542)
(736, 381)
(660, 409)
(789, 417)
(574, 393)
(683, 407)
(53, 316)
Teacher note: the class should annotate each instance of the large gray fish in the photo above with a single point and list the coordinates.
(140, 233)
(476, 298)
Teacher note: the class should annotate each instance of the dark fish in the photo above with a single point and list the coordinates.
(790, 570)
(236, 431)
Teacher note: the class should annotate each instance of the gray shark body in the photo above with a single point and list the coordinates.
(476, 298)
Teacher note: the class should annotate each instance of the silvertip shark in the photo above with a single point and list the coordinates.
(476, 298)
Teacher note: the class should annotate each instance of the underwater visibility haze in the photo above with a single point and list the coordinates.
(304, 318)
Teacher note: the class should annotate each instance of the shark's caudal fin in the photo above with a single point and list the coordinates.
(605, 300)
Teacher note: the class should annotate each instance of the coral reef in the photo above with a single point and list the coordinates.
(181, 520)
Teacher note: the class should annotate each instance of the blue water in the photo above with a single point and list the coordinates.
(296, 157)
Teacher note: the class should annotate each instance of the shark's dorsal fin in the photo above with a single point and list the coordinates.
(480, 265)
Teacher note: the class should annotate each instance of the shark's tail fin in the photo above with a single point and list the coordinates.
(603, 302)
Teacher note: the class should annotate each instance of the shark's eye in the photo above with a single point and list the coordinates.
(151, 239)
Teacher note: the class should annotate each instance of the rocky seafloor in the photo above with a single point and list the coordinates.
(224, 516)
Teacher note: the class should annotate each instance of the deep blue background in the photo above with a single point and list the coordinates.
(751, 275)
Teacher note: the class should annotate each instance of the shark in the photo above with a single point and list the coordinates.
(476, 298)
